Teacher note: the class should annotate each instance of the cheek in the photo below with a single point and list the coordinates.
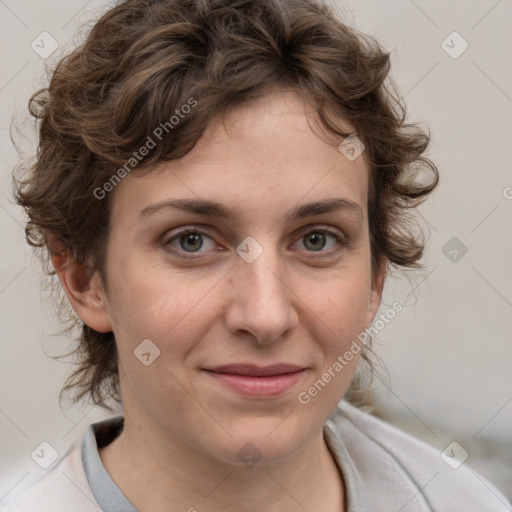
(159, 305)
(173, 314)
(337, 313)
(340, 305)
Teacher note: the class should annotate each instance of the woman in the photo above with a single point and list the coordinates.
(222, 187)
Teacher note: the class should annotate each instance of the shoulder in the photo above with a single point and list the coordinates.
(61, 489)
(391, 463)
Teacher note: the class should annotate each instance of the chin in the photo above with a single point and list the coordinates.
(264, 443)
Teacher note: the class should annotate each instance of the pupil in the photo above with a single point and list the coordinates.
(316, 237)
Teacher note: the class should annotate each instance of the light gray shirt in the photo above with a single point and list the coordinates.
(383, 470)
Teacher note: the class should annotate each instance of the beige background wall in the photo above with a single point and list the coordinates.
(448, 353)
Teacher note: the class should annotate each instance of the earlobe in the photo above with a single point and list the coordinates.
(84, 291)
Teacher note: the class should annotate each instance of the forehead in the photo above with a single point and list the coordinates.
(262, 158)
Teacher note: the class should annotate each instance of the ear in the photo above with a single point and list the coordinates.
(84, 291)
(376, 292)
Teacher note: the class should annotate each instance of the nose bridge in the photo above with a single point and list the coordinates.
(262, 302)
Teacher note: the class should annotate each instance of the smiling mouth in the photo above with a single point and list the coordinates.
(257, 381)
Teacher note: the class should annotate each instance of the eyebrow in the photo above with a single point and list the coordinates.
(212, 208)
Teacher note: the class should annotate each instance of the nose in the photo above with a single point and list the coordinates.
(261, 306)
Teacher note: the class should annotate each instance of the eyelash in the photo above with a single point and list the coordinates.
(194, 231)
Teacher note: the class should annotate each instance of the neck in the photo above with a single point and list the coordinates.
(156, 473)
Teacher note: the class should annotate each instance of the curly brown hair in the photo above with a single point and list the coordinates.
(145, 59)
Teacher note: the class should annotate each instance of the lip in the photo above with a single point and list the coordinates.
(252, 370)
(257, 381)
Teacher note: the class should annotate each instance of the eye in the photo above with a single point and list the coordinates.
(189, 241)
(317, 240)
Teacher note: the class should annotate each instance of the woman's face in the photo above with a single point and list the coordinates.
(222, 332)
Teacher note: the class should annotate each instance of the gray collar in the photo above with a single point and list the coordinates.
(106, 492)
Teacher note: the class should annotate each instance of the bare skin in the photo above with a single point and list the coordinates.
(302, 301)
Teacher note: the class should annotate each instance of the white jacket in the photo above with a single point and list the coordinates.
(384, 469)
